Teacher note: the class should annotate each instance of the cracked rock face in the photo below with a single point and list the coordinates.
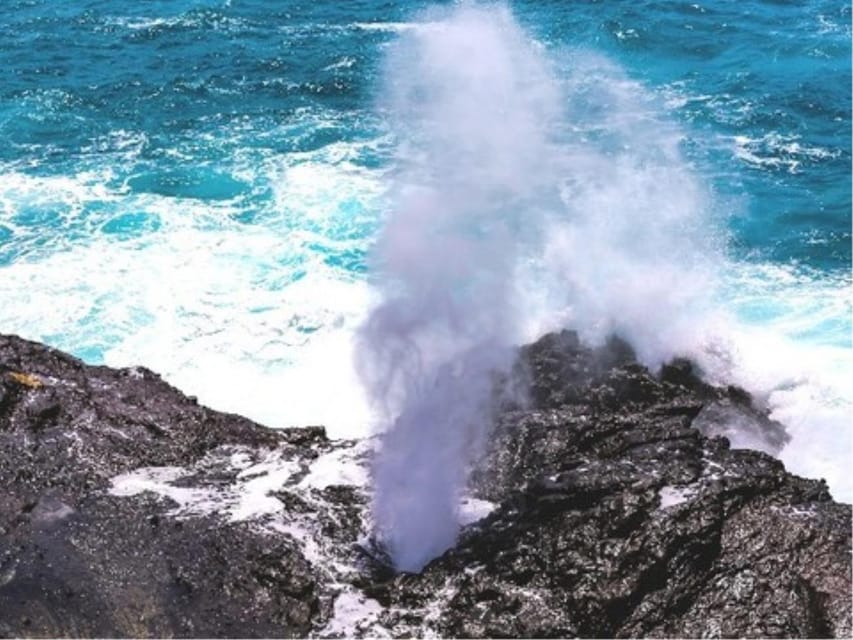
(618, 503)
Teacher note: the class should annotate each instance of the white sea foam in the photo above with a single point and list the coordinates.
(219, 22)
(246, 499)
(139, 23)
(784, 334)
(774, 150)
(282, 357)
(345, 62)
(340, 466)
(251, 319)
(393, 27)
(354, 615)
(158, 480)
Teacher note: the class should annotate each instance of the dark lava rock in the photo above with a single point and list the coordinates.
(620, 509)
(618, 518)
(76, 560)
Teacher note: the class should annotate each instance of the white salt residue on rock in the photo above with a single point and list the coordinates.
(671, 496)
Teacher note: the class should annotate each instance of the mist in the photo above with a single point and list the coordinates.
(531, 189)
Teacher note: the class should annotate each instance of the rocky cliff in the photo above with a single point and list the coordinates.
(613, 503)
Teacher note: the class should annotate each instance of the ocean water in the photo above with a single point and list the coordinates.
(196, 186)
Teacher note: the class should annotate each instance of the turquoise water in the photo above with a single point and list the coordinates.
(194, 185)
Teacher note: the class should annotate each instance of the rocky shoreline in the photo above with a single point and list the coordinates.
(612, 504)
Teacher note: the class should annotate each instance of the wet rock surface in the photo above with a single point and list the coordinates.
(620, 506)
(76, 560)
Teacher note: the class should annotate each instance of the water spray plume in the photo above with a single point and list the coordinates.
(495, 191)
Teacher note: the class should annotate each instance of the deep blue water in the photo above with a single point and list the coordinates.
(199, 89)
(194, 184)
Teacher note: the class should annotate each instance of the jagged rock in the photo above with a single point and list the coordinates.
(619, 510)
(78, 560)
(619, 518)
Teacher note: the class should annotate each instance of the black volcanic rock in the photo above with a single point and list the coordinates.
(76, 560)
(620, 508)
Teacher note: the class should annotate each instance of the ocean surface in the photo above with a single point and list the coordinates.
(196, 185)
